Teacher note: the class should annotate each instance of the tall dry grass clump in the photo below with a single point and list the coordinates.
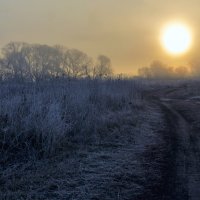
(40, 119)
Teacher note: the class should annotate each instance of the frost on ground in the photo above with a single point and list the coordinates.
(81, 140)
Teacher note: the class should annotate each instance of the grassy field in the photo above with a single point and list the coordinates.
(86, 139)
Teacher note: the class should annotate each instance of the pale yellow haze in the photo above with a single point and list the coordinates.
(129, 32)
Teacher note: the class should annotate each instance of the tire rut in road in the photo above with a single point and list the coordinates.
(178, 130)
(190, 111)
(168, 156)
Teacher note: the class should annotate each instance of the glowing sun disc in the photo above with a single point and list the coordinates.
(176, 38)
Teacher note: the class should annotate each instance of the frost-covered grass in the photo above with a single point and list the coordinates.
(96, 139)
(42, 119)
(83, 139)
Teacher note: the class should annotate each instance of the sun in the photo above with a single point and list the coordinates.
(176, 38)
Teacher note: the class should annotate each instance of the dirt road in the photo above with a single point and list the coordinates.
(183, 119)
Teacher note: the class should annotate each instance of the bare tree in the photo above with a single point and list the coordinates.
(181, 72)
(144, 72)
(156, 70)
(14, 61)
(38, 62)
(77, 63)
(103, 68)
(44, 61)
(160, 70)
(2, 70)
(195, 68)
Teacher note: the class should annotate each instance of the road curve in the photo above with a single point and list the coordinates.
(186, 180)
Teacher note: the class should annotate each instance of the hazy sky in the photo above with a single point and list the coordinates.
(125, 30)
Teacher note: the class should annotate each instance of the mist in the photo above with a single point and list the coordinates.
(122, 31)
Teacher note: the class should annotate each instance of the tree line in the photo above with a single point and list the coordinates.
(34, 62)
(157, 69)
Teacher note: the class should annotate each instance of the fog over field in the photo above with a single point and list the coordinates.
(99, 100)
